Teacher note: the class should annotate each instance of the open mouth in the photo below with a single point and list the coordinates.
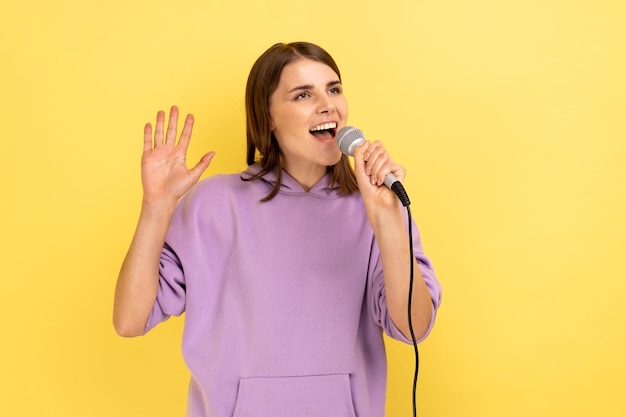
(325, 130)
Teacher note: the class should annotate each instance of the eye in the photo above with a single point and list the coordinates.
(335, 90)
(301, 96)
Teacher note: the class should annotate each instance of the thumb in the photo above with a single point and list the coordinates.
(359, 160)
(202, 165)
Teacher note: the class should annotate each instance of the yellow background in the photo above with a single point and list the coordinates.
(509, 116)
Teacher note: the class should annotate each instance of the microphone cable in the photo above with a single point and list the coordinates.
(399, 190)
(408, 210)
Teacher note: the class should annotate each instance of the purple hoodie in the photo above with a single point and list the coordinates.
(284, 301)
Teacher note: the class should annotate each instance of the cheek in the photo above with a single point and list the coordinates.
(343, 107)
(282, 117)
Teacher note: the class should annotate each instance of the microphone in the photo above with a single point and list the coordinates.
(348, 138)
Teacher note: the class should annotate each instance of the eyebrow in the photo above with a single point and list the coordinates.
(310, 86)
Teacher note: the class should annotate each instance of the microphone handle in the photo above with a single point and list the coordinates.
(396, 186)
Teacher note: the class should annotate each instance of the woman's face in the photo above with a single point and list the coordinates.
(306, 111)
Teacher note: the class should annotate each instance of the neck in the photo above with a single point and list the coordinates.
(306, 178)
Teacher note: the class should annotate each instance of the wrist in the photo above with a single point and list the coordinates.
(385, 215)
(158, 209)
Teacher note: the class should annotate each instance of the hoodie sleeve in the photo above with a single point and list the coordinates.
(378, 299)
(171, 293)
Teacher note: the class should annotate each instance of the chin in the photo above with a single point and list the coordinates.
(334, 160)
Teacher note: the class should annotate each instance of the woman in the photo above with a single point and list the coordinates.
(286, 273)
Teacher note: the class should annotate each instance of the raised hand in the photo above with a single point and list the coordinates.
(164, 172)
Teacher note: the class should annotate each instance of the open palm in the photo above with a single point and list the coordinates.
(164, 172)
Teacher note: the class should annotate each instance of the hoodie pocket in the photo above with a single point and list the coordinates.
(296, 396)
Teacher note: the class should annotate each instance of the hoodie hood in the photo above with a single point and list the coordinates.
(290, 186)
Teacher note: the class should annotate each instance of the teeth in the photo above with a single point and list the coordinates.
(324, 126)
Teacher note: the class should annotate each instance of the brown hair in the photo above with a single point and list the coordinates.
(262, 82)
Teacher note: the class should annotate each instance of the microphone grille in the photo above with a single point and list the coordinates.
(348, 138)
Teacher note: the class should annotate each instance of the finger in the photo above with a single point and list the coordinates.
(147, 137)
(185, 136)
(375, 147)
(366, 187)
(381, 167)
(372, 152)
(201, 166)
(359, 162)
(172, 125)
(379, 164)
(398, 171)
(158, 134)
(385, 166)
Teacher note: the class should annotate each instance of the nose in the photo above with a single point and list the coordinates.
(326, 105)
